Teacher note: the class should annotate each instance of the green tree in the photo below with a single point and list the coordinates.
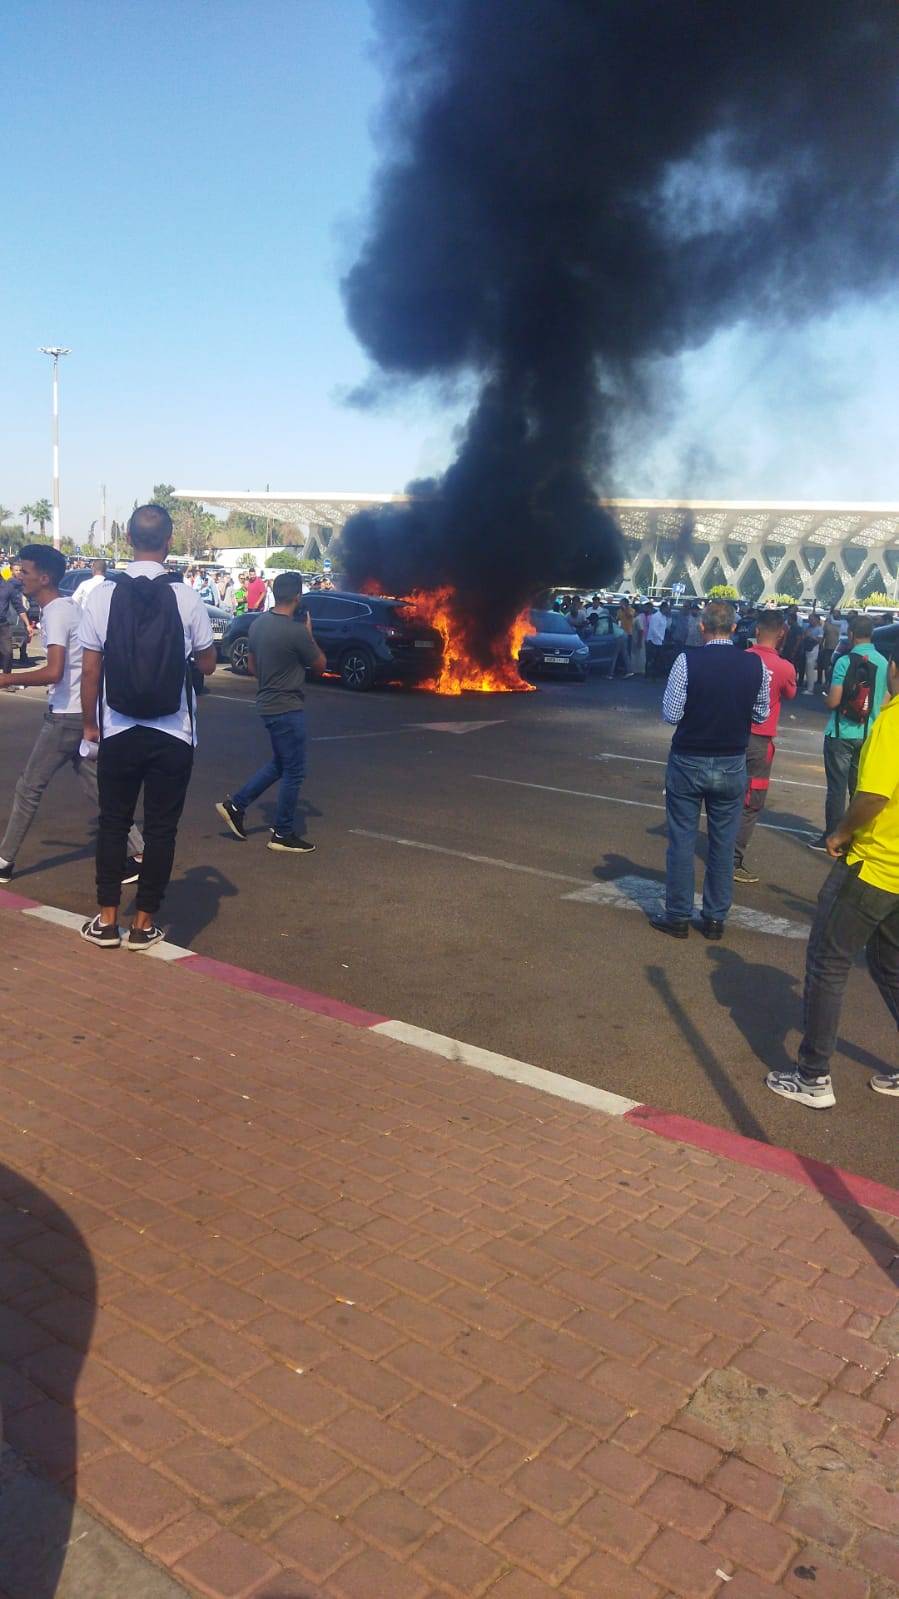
(164, 494)
(290, 560)
(28, 512)
(42, 512)
(723, 591)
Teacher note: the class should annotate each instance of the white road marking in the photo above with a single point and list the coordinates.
(622, 893)
(515, 1071)
(648, 894)
(464, 855)
(646, 760)
(52, 913)
(614, 799)
(457, 727)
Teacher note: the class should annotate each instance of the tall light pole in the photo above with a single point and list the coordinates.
(55, 351)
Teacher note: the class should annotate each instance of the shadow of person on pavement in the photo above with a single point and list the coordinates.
(48, 1293)
(193, 899)
(827, 1179)
(737, 984)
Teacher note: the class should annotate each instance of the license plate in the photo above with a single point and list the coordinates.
(424, 643)
(555, 660)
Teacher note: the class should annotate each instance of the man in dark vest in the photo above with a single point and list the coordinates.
(714, 696)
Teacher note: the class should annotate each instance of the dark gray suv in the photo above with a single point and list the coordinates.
(366, 639)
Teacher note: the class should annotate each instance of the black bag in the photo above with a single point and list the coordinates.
(858, 691)
(144, 664)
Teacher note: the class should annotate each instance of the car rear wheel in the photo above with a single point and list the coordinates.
(357, 669)
(240, 652)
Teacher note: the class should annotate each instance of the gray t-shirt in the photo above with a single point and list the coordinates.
(283, 648)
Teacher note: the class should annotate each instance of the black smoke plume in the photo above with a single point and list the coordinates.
(571, 189)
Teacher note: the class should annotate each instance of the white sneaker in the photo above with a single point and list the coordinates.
(816, 1092)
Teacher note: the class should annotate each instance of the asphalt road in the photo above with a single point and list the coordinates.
(477, 869)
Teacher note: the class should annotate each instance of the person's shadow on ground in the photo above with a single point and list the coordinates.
(193, 899)
(38, 1431)
(763, 1003)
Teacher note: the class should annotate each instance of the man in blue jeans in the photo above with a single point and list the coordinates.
(281, 650)
(714, 696)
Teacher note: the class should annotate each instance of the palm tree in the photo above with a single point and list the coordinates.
(42, 511)
(5, 514)
(28, 512)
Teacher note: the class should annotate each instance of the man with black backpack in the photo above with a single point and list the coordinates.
(857, 692)
(140, 638)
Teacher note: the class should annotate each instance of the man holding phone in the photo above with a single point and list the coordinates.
(281, 650)
(858, 909)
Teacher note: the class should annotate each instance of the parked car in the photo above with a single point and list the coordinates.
(365, 638)
(555, 649)
(77, 575)
(74, 578)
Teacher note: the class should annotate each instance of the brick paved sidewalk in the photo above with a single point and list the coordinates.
(340, 1318)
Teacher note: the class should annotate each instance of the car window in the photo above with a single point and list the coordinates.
(313, 603)
(334, 610)
(551, 622)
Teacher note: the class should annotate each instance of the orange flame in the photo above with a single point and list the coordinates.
(461, 672)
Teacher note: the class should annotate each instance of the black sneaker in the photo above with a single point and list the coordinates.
(669, 925)
(144, 937)
(291, 844)
(132, 872)
(104, 936)
(711, 929)
(233, 816)
(6, 872)
(819, 845)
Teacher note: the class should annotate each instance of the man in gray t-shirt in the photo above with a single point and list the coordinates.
(281, 649)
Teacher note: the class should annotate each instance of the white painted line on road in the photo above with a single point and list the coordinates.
(647, 894)
(614, 799)
(576, 793)
(515, 1071)
(455, 727)
(463, 855)
(622, 893)
(646, 760)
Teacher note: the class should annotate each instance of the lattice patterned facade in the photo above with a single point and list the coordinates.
(835, 549)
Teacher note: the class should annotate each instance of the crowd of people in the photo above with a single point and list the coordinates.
(123, 660)
(724, 705)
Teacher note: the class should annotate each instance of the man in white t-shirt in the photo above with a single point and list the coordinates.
(84, 590)
(153, 752)
(59, 739)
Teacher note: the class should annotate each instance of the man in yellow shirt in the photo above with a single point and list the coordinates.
(858, 909)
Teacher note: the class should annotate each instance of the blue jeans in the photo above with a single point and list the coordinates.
(288, 735)
(719, 781)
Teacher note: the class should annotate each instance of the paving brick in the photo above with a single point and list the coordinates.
(686, 1568)
(880, 1554)
(603, 1577)
(858, 1414)
(221, 1477)
(619, 1529)
(485, 1312)
(746, 1486)
(315, 1543)
(612, 1468)
(522, 1415)
(226, 1353)
(542, 1546)
(226, 1567)
(289, 1455)
(809, 1519)
(551, 1488)
(445, 1429)
(455, 1561)
(434, 1370)
(678, 1452)
(640, 1389)
(394, 1519)
(179, 1537)
(47, 1435)
(581, 1402)
(373, 1575)
(152, 1365)
(521, 1585)
(63, 1373)
(281, 1334)
(753, 1543)
(145, 1426)
(811, 1575)
(225, 1413)
(777, 1374)
(498, 1358)
(379, 1446)
(132, 1496)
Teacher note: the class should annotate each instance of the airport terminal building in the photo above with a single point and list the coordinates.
(814, 550)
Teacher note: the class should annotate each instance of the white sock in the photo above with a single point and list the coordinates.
(4, 863)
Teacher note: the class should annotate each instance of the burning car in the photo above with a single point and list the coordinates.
(366, 638)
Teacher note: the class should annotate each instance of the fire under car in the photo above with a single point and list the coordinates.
(365, 638)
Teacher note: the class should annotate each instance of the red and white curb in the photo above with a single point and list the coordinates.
(830, 1181)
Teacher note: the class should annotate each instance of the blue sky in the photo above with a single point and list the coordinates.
(184, 183)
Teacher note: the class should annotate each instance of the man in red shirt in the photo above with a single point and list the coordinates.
(760, 754)
(255, 592)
